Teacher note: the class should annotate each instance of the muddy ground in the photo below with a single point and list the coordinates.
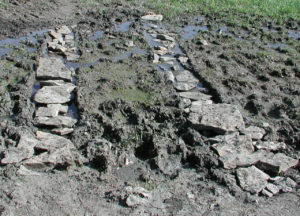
(132, 130)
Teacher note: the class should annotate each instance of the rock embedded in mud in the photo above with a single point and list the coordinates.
(194, 95)
(186, 76)
(252, 179)
(53, 68)
(24, 149)
(54, 46)
(220, 118)
(49, 142)
(62, 131)
(184, 86)
(165, 37)
(278, 163)
(54, 94)
(271, 146)
(58, 121)
(256, 133)
(52, 110)
(153, 17)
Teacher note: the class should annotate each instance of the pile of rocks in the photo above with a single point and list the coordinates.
(45, 151)
(239, 148)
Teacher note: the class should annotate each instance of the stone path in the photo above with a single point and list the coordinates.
(240, 148)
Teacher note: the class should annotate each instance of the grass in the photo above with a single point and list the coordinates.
(272, 8)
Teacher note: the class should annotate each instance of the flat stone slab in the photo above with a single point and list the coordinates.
(252, 179)
(256, 133)
(52, 82)
(52, 110)
(184, 86)
(278, 163)
(165, 37)
(62, 131)
(220, 118)
(53, 68)
(186, 76)
(153, 17)
(24, 149)
(271, 145)
(58, 121)
(194, 95)
(54, 94)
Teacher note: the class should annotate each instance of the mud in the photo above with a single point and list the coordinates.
(136, 152)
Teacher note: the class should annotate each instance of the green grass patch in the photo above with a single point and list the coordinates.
(273, 8)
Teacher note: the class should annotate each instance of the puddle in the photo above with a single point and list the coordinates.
(97, 35)
(294, 34)
(124, 27)
(73, 111)
(129, 54)
(18, 42)
(191, 31)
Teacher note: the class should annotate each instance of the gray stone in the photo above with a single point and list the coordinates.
(155, 58)
(64, 30)
(183, 59)
(62, 131)
(54, 94)
(186, 76)
(271, 146)
(272, 188)
(200, 102)
(58, 121)
(52, 82)
(71, 56)
(153, 17)
(220, 118)
(55, 35)
(53, 68)
(184, 86)
(129, 44)
(26, 172)
(256, 133)
(165, 37)
(54, 46)
(203, 42)
(50, 142)
(160, 50)
(166, 58)
(194, 95)
(134, 200)
(24, 149)
(252, 179)
(169, 77)
(278, 163)
(267, 193)
(284, 184)
(184, 102)
(52, 110)
(168, 164)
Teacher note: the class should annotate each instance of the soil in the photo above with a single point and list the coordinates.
(131, 129)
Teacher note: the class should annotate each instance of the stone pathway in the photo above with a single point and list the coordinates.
(44, 150)
(239, 148)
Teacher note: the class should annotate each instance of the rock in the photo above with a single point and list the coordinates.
(252, 179)
(58, 121)
(26, 172)
(160, 50)
(256, 133)
(155, 58)
(183, 86)
(52, 110)
(169, 77)
(129, 44)
(186, 76)
(272, 188)
(271, 146)
(220, 118)
(168, 164)
(69, 38)
(165, 37)
(194, 95)
(184, 102)
(61, 158)
(133, 201)
(55, 35)
(54, 46)
(71, 56)
(153, 17)
(64, 30)
(284, 184)
(62, 131)
(137, 196)
(54, 94)
(266, 193)
(50, 142)
(53, 68)
(200, 102)
(183, 59)
(203, 42)
(59, 41)
(278, 163)
(24, 149)
(166, 58)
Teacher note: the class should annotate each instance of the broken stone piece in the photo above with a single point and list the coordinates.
(184, 86)
(183, 59)
(200, 102)
(272, 188)
(155, 58)
(153, 17)
(186, 76)
(54, 94)
(49, 142)
(26, 172)
(52, 110)
(55, 35)
(278, 163)
(256, 133)
(166, 58)
(54, 46)
(53, 68)
(58, 121)
(165, 37)
(220, 118)
(169, 77)
(267, 193)
(270, 146)
(252, 179)
(194, 95)
(62, 131)
(64, 30)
